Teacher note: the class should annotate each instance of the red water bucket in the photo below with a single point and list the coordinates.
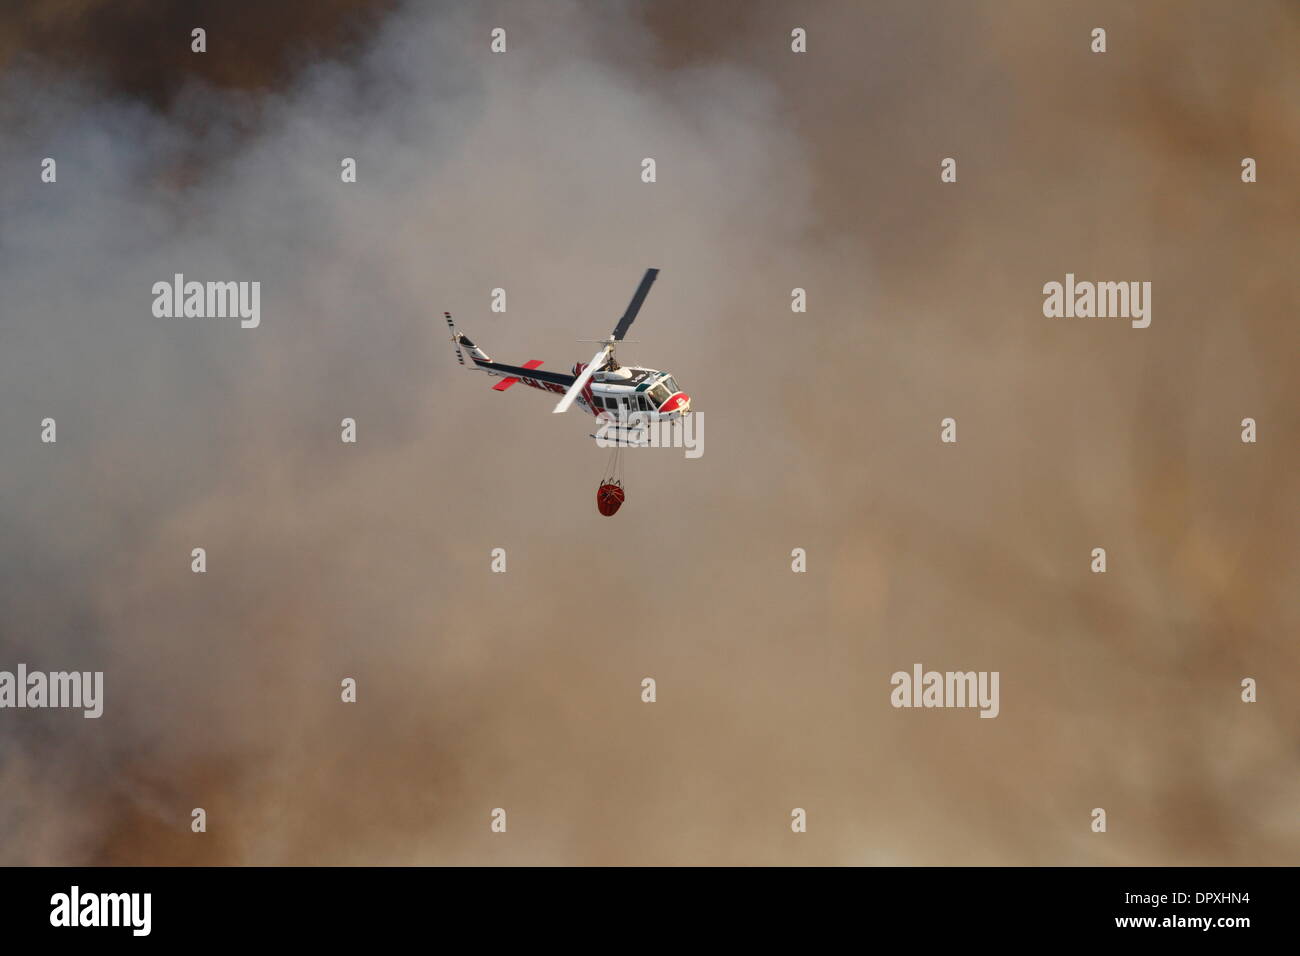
(609, 498)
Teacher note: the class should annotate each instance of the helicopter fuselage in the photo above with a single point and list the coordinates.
(623, 392)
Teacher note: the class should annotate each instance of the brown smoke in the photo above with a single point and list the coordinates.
(142, 48)
(521, 690)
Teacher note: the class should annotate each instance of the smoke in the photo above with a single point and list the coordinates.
(522, 690)
(142, 49)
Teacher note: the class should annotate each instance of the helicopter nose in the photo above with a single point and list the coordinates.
(680, 403)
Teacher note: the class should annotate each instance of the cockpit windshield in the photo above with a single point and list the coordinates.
(659, 394)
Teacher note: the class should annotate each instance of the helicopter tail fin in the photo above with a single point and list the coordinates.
(529, 373)
(460, 340)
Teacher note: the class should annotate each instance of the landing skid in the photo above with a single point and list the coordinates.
(629, 437)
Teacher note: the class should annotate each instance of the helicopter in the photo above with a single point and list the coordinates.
(602, 387)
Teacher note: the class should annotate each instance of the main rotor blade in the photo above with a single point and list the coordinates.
(581, 381)
(634, 306)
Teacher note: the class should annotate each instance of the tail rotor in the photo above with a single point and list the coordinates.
(455, 339)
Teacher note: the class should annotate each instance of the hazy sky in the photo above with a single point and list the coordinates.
(522, 690)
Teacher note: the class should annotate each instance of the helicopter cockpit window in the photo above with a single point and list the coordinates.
(659, 394)
(671, 385)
